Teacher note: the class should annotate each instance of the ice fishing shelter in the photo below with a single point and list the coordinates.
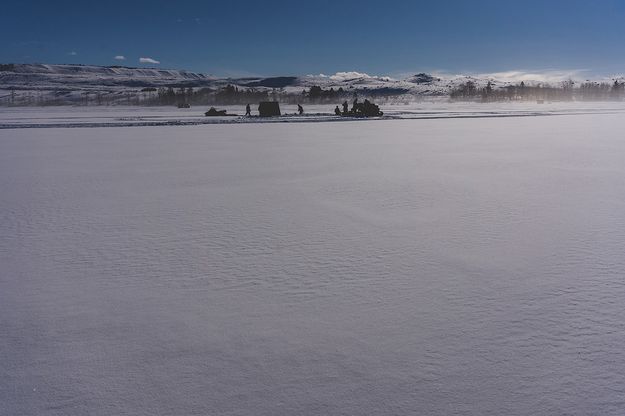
(269, 109)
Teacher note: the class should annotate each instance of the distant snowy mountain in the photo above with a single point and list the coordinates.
(42, 76)
(91, 77)
(37, 83)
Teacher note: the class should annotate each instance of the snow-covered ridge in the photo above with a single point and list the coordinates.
(92, 77)
(104, 71)
(32, 84)
(44, 76)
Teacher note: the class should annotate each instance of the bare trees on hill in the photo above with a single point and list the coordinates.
(566, 91)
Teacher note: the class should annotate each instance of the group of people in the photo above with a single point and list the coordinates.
(364, 109)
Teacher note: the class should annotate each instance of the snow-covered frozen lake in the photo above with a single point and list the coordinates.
(124, 116)
(458, 266)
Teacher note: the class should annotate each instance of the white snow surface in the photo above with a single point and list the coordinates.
(422, 266)
(126, 116)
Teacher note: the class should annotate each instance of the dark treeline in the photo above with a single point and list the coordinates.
(44, 97)
(316, 94)
(566, 91)
(233, 95)
(228, 95)
(148, 96)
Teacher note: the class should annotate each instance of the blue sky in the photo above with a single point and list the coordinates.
(310, 37)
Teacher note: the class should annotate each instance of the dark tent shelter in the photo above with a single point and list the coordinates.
(269, 109)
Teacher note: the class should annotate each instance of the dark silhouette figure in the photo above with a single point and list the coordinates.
(355, 107)
(337, 111)
(366, 108)
(345, 108)
(248, 110)
(300, 109)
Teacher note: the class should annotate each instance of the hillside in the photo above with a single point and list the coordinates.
(41, 84)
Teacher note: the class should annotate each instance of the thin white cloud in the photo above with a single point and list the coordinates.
(72, 53)
(149, 61)
(120, 57)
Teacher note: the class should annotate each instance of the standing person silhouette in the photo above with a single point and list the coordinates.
(337, 111)
(300, 109)
(248, 110)
(345, 107)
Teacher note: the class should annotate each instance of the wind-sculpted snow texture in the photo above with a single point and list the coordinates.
(434, 267)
